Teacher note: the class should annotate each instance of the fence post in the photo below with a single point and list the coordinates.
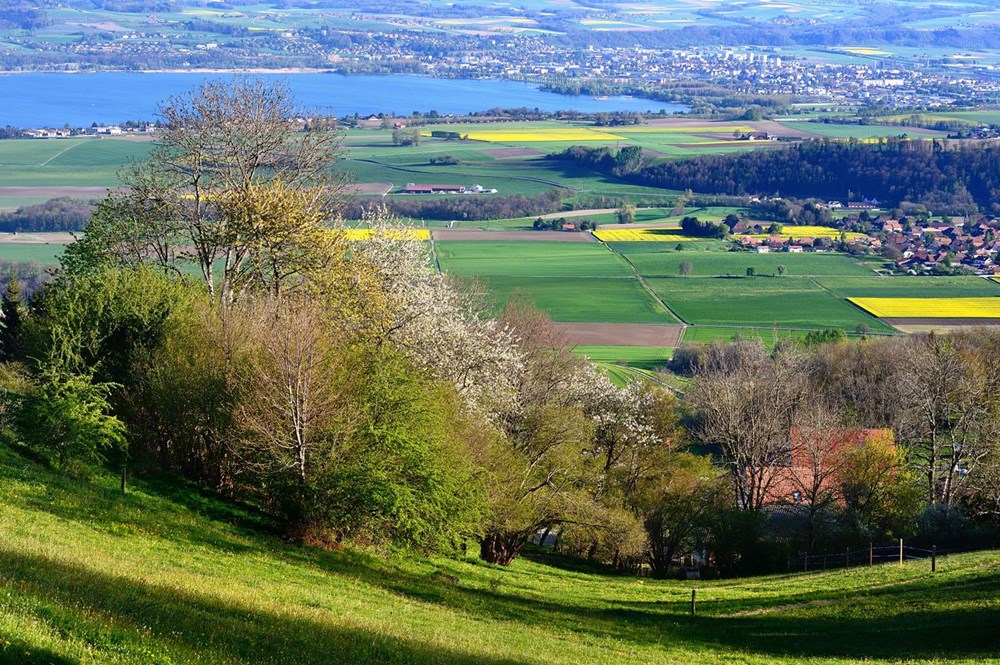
(900, 551)
(933, 558)
(847, 558)
(824, 559)
(692, 602)
(124, 478)
(871, 554)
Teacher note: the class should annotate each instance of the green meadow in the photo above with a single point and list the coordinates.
(766, 301)
(581, 299)
(170, 574)
(651, 263)
(530, 259)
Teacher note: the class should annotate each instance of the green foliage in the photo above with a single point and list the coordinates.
(105, 322)
(12, 312)
(882, 495)
(66, 419)
(820, 337)
(401, 474)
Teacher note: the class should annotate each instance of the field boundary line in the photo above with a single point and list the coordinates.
(646, 286)
(60, 153)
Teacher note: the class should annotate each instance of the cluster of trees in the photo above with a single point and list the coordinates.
(693, 226)
(358, 396)
(470, 208)
(556, 224)
(59, 214)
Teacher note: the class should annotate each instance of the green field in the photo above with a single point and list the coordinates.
(709, 334)
(760, 301)
(666, 263)
(529, 259)
(910, 287)
(643, 357)
(88, 162)
(859, 131)
(44, 254)
(169, 574)
(581, 299)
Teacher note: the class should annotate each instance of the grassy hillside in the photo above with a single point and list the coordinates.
(170, 575)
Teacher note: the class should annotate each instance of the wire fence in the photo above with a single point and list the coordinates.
(869, 556)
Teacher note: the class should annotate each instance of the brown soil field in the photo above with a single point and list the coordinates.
(503, 236)
(620, 334)
(36, 238)
(379, 188)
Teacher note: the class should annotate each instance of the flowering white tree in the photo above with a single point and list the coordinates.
(437, 324)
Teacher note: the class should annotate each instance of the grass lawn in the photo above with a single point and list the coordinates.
(710, 264)
(530, 258)
(793, 302)
(581, 299)
(167, 574)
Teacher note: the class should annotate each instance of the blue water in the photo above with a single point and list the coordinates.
(52, 100)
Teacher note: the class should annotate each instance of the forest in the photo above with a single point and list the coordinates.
(945, 177)
(59, 214)
(211, 326)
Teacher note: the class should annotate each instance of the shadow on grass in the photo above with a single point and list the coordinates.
(900, 626)
(128, 616)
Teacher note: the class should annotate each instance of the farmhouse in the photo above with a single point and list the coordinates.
(412, 188)
(812, 460)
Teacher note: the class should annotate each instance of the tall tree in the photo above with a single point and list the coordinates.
(744, 402)
(12, 311)
(234, 162)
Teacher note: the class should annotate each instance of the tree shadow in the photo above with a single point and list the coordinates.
(130, 616)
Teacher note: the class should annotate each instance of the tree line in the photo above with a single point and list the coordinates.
(945, 177)
(59, 214)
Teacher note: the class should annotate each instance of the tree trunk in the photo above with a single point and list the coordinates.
(500, 548)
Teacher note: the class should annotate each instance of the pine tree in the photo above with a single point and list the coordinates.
(12, 309)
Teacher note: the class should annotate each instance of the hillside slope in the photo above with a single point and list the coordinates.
(168, 575)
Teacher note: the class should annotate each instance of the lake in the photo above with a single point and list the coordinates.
(52, 100)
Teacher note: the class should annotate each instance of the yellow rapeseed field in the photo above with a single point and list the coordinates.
(864, 50)
(396, 234)
(931, 308)
(542, 134)
(812, 232)
(643, 235)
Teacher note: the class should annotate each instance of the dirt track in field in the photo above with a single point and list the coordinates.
(502, 236)
(620, 334)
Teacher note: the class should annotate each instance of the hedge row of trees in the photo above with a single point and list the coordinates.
(466, 207)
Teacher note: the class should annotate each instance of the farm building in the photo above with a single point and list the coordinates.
(813, 458)
(412, 188)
